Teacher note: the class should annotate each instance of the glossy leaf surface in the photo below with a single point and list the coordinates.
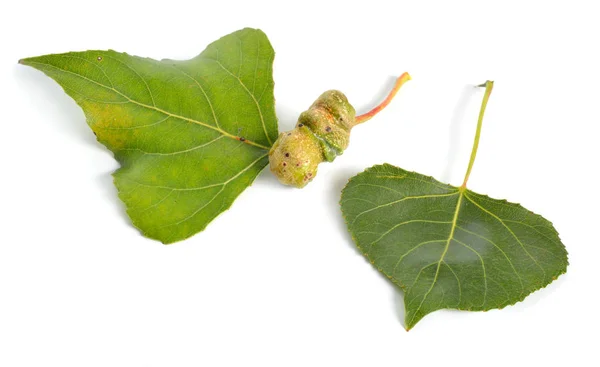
(449, 247)
(190, 135)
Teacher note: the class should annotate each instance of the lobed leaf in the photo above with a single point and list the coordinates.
(190, 135)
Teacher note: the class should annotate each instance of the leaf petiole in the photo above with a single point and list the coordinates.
(489, 85)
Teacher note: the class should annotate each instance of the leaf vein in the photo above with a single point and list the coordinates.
(262, 120)
(176, 152)
(500, 249)
(457, 280)
(132, 127)
(401, 200)
(139, 76)
(203, 92)
(510, 231)
(406, 222)
(202, 187)
(410, 251)
(482, 266)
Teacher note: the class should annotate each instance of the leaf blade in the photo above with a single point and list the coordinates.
(176, 125)
(457, 255)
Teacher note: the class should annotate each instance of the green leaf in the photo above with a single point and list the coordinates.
(190, 135)
(446, 246)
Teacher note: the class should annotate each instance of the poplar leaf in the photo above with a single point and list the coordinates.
(447, 246)
(189, 135)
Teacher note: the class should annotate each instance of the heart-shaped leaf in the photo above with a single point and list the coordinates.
(190, 135)
(446, 246)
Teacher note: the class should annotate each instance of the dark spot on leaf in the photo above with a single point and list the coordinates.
(297, 164)
(284, 164)
(242, 139)
(300, 125)
(287, 155)
(328, 128)
(289, 134)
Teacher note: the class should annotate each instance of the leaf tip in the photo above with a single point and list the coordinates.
(25, 61)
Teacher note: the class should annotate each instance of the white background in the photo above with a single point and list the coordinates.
(276, 280)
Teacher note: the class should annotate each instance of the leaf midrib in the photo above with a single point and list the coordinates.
(448, 241)
(223, 132)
